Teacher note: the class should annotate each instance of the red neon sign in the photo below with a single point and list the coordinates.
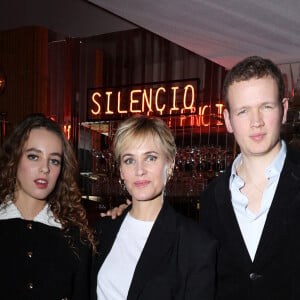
(176, 98)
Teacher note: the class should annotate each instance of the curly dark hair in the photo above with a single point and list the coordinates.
(253, 67)
(65, 200)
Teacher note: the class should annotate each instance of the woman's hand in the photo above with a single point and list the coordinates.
(116, 211)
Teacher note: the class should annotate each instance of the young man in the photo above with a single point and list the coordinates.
(253, 209)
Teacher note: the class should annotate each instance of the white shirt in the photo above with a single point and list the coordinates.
(115, 275)
(45, 216)
(251, 224)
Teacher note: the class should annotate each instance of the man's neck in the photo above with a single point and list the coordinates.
(254, 166)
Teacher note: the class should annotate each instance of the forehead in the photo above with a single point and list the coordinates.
(145, 143)
(254, 89)
(44, 140)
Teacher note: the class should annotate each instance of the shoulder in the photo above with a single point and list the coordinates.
(218, 186)
(292, 155)
(79, 245)
(103, 224)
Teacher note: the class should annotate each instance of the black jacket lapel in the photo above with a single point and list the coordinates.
(230, 222)
(287, 192)
(157, 251)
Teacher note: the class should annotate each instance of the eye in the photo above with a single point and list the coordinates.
(151, 158)
(55, 162)
(268, 107)
(128, 161)
(242, 112)
(32, 157)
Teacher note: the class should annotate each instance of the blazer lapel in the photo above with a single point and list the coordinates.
(288, 190)
(232, 232)
(156, 252)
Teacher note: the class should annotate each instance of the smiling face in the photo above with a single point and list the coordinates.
(256, 115)
(39, 165)
(145, 168)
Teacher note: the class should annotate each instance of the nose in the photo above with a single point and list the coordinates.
(44, 168)
(140, 168)
(256, 119)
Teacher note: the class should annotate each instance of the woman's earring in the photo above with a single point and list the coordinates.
(170, 174)
(122, 184)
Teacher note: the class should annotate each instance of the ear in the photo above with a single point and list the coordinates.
(226, 116)
(121, 175)
(171, 168)
(285, 107)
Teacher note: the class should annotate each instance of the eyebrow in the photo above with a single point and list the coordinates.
(146, 153)
(39, 151)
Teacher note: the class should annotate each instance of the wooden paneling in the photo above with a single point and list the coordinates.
(24, 58)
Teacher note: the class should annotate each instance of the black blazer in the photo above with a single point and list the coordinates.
(39, 264)
(274, 273)
(177, 262)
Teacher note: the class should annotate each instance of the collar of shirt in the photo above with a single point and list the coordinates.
(45, 216)
(272, 172)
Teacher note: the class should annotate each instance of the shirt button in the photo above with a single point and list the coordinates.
(254, 276)
(29, 254)
(29, 225)
(30, 285)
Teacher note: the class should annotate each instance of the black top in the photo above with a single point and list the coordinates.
(38, 264)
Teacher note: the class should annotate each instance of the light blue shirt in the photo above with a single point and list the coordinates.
(251, 224)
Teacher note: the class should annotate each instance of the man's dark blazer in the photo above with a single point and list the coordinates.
(274, 273)
(177, 262)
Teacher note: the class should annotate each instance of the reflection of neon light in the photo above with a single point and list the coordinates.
(67, 131)
(220, 108)
(204, 109)
(108, 111)
(182, 118)
(202, 116)
(160, 109)
(119, 104)
(96, 112)
(134, 101)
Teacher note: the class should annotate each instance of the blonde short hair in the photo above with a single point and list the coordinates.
(141, 127)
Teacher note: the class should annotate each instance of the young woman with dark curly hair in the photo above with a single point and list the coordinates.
(45, 239)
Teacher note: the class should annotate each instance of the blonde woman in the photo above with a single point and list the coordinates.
(150, 252)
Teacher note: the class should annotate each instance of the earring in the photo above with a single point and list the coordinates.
(170, 175)
(122, 184)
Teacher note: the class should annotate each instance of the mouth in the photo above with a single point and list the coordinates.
(141, 183)
(257, 137)
(41, 183)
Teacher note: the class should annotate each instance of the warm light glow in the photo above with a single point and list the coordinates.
(162, 108)
(147, 100)
(94, 100)
(134, 101)
(67, 131)
(108, 111)
(176, 98)
(202, 116)
(119, 104)
(174, 107)
(190, 107)
(220, 108)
